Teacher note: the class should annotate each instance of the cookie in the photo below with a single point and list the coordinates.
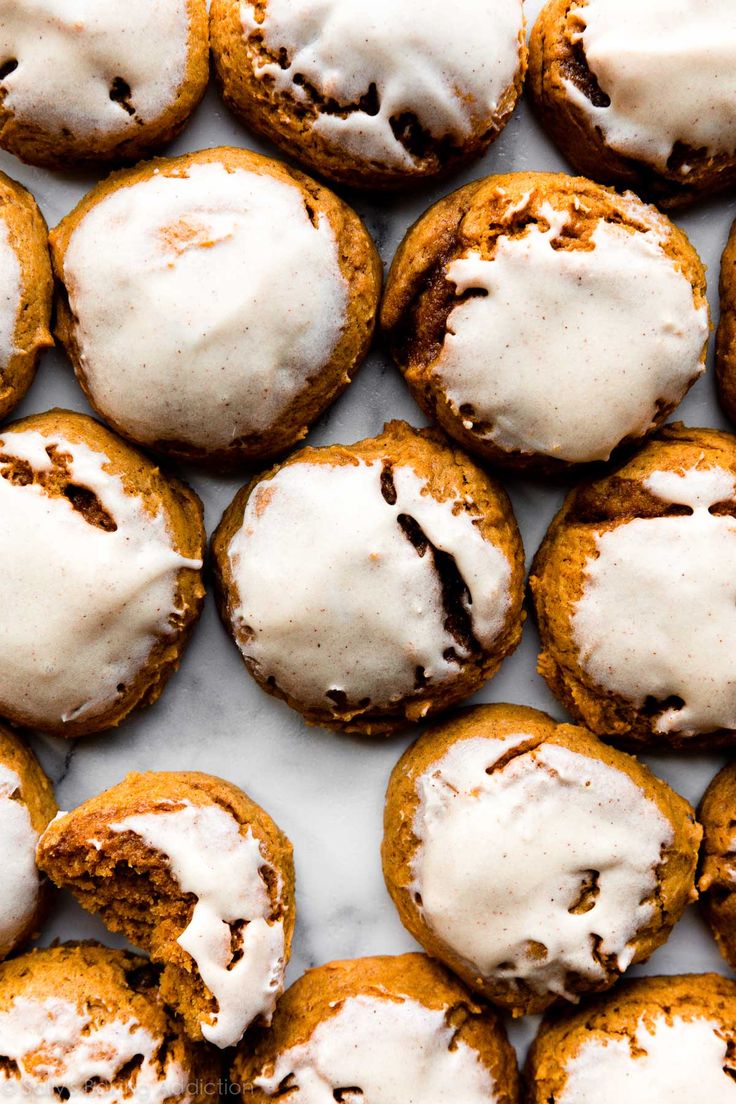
(214, 304)
(84, 83)
(371, 585)
(377, 95)
(635, 596)
(521, 303)
(187, 867)
(26, 807)
(101, 582)
(640, 95)
(25, 291)
(81, 1020)
(655, 1039)
(726, 335)
(717, 882)
(524, 914)
(379, 1029)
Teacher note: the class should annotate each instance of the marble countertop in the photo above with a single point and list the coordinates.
(325, 790)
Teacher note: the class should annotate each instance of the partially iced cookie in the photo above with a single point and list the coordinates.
(188, 867)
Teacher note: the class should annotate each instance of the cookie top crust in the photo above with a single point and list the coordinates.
(657, 1038)
(212, 300)
(389, 589)
(531, 916)
(70, 507)
(84, 81)
(666, 74)
(641, 638)
(521, 302)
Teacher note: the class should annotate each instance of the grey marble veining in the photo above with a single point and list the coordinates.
(326, 791)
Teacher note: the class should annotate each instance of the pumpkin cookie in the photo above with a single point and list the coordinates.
(668, 1039)
(522, 914)
(216, 303)
(25, 291)
(635, 595)
(640, 95)
(726, 336)
(188, 867)
(81, 1021)
(370, 585)
(26, 807)
(544, 320)
(380, 1029)
(101, 582)
(718, 861)
(373, 95)
(83, 82)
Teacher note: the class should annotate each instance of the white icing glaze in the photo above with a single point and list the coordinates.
(448, 67)
(678, 1061)
(669, 70)
(10, 295)
(393, 1051)
(204, 301)
(347, 604)
(69, 53)
(211, 858)
(562, 332)
(18, 839)
(493, 877)
(58, 1046)
(112, 593)
(657, 617)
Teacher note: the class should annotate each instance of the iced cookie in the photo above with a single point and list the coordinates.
(81, 1022)
(726, 336)
(370, 585)
(373, 95)
(101, 582)
(26, 806)
(25, 291)
(216, 303)
(544, 320)
(379, 1029)
(640, 95)
(718, 860)
(531, 859)
(635, 595)
(84, 82)
(669, 1040)
(188, 867)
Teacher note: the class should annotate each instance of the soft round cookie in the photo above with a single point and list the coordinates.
(380, 1029)
(664, 1039)
(81, 1022)
(521, 303)
(187, 867)
(717, 882)
(214, 304)
(26, 286)
(83, 82)
(101, 582)
(635, 595)
(370, 585)
(726, 334)
(372, 95)
(26, 806)
(533, 860)
(640, 95)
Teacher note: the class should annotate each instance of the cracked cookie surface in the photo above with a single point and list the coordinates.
(369, 585)
(523, 914)
(634, 595)
(520, 302)
(372, 95)
(383, 1029)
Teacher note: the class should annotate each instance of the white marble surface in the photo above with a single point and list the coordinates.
(326, 791)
